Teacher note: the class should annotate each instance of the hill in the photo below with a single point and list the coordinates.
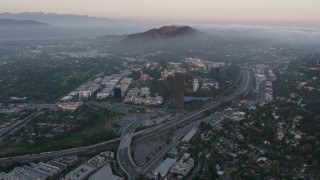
(165, 32)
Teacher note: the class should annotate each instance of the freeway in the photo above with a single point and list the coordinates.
(123, 155)
(151, 164)
(183, 120)
(4, 132)
(21, 123)
(244, 87)
(56, 154)
(18, 125)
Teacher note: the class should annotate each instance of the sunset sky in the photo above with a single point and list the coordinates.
(295, 12)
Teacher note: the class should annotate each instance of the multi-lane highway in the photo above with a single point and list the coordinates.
(132, 171)
(151, 164)
(55, 154)
(124, 155)
(4, 132)
(18, 125)
(244, 88)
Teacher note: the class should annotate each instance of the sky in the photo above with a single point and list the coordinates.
(291, 12)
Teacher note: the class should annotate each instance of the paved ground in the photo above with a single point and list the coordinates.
(143, 150)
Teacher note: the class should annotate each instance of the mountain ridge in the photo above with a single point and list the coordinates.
(164, 32)
(55, 18)
(15, 22)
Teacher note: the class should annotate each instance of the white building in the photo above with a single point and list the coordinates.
(87, 90)
(189, 136)
(195, 85)
(70, 106)
(209, 84)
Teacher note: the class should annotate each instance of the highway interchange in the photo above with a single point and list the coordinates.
(124, 158)
(126, 161)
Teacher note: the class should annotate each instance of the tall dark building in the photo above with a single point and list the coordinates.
(215, 73)
(117, 92)
(179, 90)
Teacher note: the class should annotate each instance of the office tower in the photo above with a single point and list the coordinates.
(179, 90)
(117, 92)
(215, 73)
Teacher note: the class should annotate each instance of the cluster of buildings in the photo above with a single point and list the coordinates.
(263, 76)
(183, 166)
(171, 69)
(201, 65)
(84, 54)
(179, 167)
(95, 168)
(142, 96)
(259, 76)
(116, 85)
(151, 65)
(206, 84)
(87, 90)
(237, 116)
(268, 91)
(295, 133)
(175, 165)
(41, 170)
(73, 100)
(70, 106)
(212, 73)
(107, 84)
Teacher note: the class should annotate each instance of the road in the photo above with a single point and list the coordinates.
(244, 87)
(124, 153)
(124, 150)
(152, 164)
(4, 132)
(16, 126)
(21, 123)
(56, 154)
(133, 171)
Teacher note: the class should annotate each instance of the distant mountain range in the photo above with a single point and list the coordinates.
(165, 32)
(56, 19)
(21, 23)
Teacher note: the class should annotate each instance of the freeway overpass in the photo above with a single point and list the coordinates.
(125, 155)
(126, 161)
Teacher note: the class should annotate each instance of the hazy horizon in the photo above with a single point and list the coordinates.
(251, 12)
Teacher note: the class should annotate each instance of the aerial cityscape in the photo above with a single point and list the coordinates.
(125, 90)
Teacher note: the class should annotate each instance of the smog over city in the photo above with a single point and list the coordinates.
(115, 90)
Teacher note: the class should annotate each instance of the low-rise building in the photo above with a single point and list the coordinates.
(187, 138)
(70, 106)
(183, 166)
(164, 167)
(80, 172)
